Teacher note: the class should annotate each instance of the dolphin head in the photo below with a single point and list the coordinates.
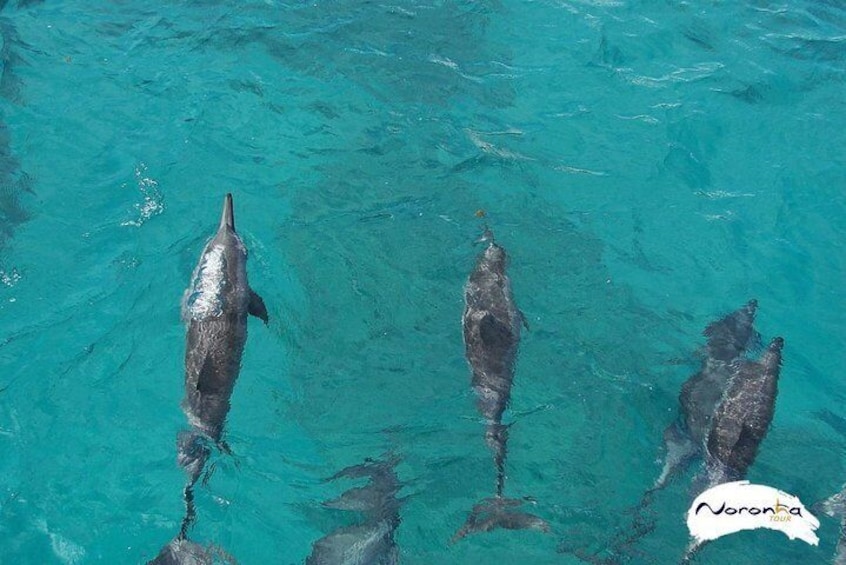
(495, 257)
(729, 337)
(771, 359)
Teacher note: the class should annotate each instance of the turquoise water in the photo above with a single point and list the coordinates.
(648, 165)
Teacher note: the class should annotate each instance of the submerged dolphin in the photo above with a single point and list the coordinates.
(215, 307)
(185, 552)
(491, 324)
(835, 507)
(371, 542)
(728, 340)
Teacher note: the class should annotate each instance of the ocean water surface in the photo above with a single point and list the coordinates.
(648, 165)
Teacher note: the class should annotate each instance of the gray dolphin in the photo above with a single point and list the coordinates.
(215, 307)
(740, 423)
(743, 417)
(728, 340)
(492, 324)
(371, 542)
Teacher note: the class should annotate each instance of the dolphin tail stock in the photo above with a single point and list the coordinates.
(496, 436)
(498, 513)
(641, 525)
(369, 468)
(192, 454)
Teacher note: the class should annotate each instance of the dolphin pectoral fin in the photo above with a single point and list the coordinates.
(494, 513)
(257, 307)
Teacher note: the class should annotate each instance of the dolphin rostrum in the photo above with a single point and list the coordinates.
(491, 324)
(215, 307)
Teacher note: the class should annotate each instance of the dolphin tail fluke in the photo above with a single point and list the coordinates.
(499, 513)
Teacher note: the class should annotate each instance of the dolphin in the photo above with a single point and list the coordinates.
(684, 440)
(743, 417)
(740, 423)
(215, 307)
(372, 541)
(835, 507)
(491, 326)
(728, 340)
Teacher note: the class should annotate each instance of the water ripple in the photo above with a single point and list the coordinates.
(152, 203)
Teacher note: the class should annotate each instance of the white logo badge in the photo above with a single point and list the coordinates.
(732, 507)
